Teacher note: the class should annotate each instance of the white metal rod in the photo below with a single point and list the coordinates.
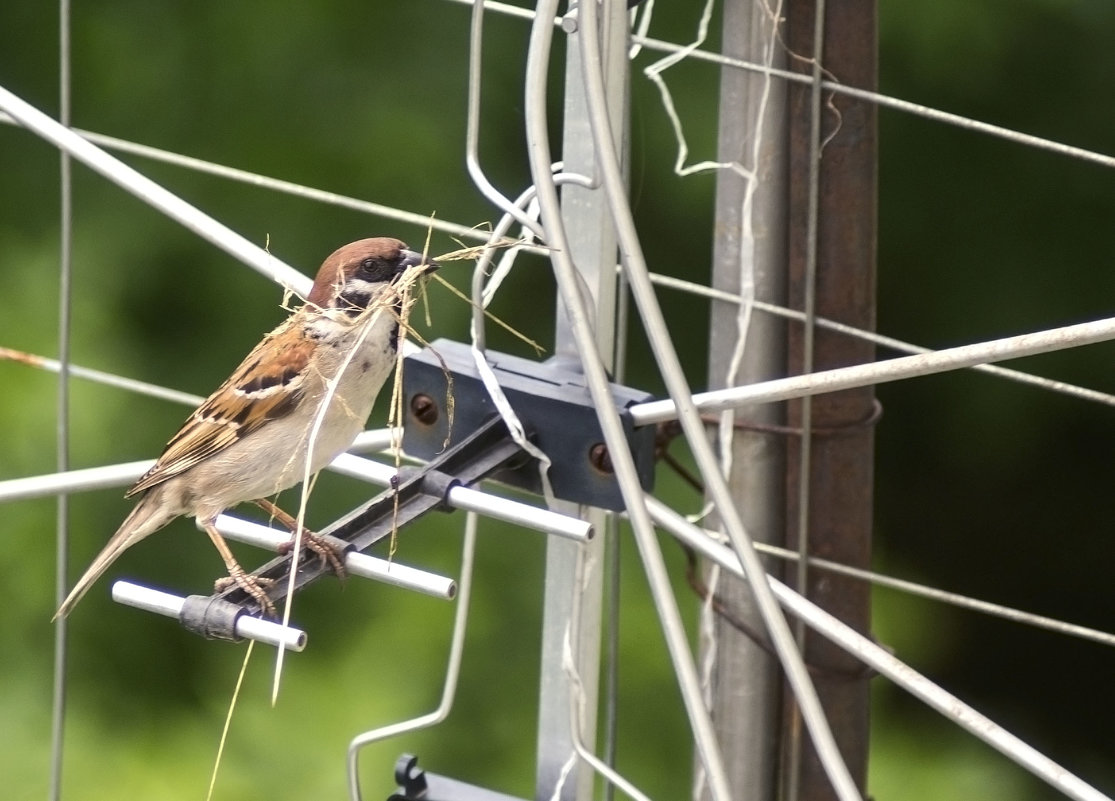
(364, 469)
(884, 662)
(860, 375)
(388, 571)
(153, 194)
(465, 498)
(252, 628)
(375, 441)
(468, 499)
(521, 514)
(122, 475)
(356, 563)
(91, 478)
(1053, 385)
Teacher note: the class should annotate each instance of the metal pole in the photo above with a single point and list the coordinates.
(573, 596)
(832, 216)
(749, 256)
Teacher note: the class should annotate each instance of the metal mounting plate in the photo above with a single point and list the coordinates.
(553, 404)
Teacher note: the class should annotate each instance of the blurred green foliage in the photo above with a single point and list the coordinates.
(982, 487)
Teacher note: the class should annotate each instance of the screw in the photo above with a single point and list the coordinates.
(424, 409)
(599, 458)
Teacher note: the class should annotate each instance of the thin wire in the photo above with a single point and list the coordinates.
(275, 184)
(613, 545)
(101, 377)
(654, 75)
(951, 598)
(955, 599)
(62, 460)
(612, 551)
(577, 724)
(611, 651)
(809, 306)
(886, 101)
(795, 747)
(177, 396)
(286, 187)
(873, 655)
(898, 104)
(483, 292)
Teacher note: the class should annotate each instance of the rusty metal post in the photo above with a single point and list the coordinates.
(837, 222)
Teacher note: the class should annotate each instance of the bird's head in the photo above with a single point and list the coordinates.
(355, 274)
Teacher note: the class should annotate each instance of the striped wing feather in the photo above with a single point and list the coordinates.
(266, 386)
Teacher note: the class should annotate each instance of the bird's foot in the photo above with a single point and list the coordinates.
(325, 551)
(328, 554)
(252, 585)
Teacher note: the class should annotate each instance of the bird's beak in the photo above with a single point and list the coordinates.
(412, 258)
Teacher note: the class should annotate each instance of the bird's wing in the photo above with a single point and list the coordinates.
(267, 385)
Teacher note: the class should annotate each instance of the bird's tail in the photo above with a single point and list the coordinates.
(145, 519)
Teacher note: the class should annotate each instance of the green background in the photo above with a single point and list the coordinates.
(982, 487)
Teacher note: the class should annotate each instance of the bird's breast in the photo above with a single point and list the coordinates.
(352, 365)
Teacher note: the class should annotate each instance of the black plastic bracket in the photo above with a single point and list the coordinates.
(416, 784)
(550, 399)
(211, 617)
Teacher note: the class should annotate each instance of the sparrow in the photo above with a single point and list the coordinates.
(308, 387)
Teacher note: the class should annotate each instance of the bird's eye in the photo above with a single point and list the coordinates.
(373, 269)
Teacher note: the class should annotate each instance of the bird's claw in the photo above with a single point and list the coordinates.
(327, 553)
(252, 585)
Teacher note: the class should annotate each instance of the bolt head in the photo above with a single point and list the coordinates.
(424, 409)
(600, 459)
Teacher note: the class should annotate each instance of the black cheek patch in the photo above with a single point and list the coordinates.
(355, 300)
